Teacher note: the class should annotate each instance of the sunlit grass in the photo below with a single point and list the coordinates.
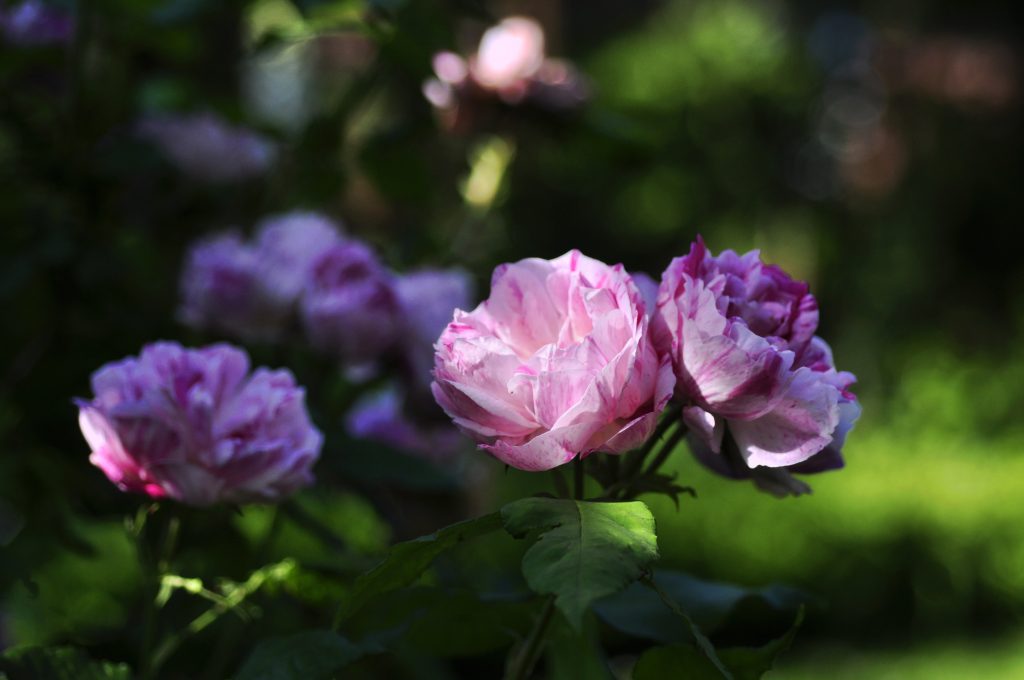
(952, 661)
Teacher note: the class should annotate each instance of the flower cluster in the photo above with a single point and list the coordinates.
(571, 356)
(208, 149)
(509, 67)
(251, 290)
(194, 425)
(301, 272)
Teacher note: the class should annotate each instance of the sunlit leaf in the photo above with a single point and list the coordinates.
(585, 550)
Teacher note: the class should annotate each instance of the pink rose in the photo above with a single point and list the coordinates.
(556, 363)
(740, 334)
(194, 425)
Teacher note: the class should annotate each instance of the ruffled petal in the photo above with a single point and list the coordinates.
(800, 426)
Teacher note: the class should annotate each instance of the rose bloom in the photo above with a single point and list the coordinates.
(222, 289)
(740, 334)
(350, 308)
(251, 290)
(288, 245)
(194, 425)
(556, 363)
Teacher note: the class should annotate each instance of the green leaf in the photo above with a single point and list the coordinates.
(585, 550)
(573, 655)
(677, 661)
(639, 611)
(406, 561)
(312, 655)
(58, 663)
(463, 624)
(703, 643)
(744, 663)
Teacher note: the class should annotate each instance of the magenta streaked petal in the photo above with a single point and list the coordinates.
(193, 425)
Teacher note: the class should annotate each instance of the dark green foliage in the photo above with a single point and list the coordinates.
(58, 663)
(582, 550)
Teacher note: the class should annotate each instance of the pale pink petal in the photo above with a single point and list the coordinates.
(800, 426)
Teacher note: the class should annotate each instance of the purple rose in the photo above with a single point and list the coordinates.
(251, 291)
(382, 417)
(556, 363)
(223, 288)
(350, 308)
(194, 425)
(206, 148)
(34, 23)
(288, 245)
(741, 337)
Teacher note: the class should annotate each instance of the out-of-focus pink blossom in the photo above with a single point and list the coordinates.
(194, 425)
(251, 290)
(509, 54)
(740, 334)
(349, 306)
(556, 363)
(208, 149)
(35, 23)
(384, 417)
(509, 67)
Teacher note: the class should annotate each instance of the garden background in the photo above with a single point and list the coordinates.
(873, 149)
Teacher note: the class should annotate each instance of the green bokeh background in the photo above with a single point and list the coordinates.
(734, 119)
